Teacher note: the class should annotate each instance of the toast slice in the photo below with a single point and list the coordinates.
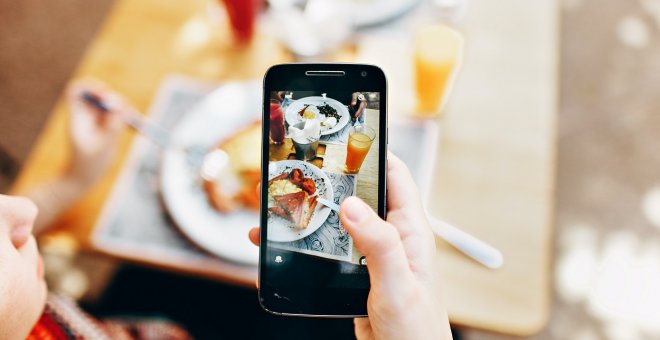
(279, 211)
(235, 187)
(298, 206)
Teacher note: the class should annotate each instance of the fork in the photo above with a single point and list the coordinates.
(157, 134)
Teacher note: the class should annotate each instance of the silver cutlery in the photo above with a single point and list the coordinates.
(469, 245)
(332, 205)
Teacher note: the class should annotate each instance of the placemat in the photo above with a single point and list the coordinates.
(134, 216)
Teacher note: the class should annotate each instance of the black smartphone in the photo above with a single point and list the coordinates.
(324, 139)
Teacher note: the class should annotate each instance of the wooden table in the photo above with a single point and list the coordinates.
(139, 44)
(496, 170)
(495, 175)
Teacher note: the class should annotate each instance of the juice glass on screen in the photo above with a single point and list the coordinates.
(438, 53)
(276, 123)
(360, 138)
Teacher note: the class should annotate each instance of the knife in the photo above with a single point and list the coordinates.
(328, 203)
(469, 245)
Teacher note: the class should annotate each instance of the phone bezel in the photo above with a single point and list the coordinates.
(321, 302)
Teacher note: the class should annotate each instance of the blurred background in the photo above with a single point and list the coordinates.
(603, 161)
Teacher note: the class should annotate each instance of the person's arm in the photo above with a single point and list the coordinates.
(403, 301)
(53, 198)
(277, 95)
(354, 98)
(360, 110)
(93, 136)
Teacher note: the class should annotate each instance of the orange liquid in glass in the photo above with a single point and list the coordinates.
(432, 80)
(356, 150)
(438, 52)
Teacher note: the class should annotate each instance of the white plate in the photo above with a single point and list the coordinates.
(376, 12)
(292, 117)
(220, 114)
(279, 229)
(367, 13)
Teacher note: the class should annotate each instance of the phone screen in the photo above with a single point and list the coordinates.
(323, 142)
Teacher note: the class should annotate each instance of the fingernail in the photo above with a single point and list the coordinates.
(113, 101)
(20, 235)
(355, 210)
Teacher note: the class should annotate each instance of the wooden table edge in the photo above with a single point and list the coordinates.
(217, 269)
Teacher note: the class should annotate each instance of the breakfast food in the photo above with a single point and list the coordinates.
(296, 207)
(301, 112)
(329, 111)
(309, 114)
(326, 114)
(329, 122)
(230, 182)
(291, 196)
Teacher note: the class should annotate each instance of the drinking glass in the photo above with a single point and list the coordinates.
(242, 17)
(276, 123)
(360, 138)
(438, 53)
(305, 147)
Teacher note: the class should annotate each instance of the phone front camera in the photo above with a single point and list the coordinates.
(363, 73)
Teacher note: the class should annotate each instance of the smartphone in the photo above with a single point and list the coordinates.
(324, 139)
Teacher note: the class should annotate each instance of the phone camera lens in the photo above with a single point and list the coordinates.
(363, 73)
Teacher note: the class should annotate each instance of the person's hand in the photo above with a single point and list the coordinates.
(358, 114)
(352, 106)
(403, 302)
(277, 95)
(93, 132)
(22, 284)
(93, 136)
(358, 106)
(354, 98)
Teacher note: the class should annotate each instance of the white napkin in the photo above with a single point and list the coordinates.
(310, 132)
(295, 133)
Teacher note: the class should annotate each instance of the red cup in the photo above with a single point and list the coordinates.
(276, 123)
(242, 16)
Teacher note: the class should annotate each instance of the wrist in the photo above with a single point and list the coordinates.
(71, 184)
(78, 175)
(427, 319)
(53, 198)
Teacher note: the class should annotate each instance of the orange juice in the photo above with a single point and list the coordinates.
(438, 53)
(359, 143)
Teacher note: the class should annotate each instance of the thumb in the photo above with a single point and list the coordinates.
(377, 240)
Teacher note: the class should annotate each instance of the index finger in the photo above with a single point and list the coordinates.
(78, 87)
(402, 191)
(404, 204)
(111, 101)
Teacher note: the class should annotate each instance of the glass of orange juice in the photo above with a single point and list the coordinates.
(360, 138)
(438, 53)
